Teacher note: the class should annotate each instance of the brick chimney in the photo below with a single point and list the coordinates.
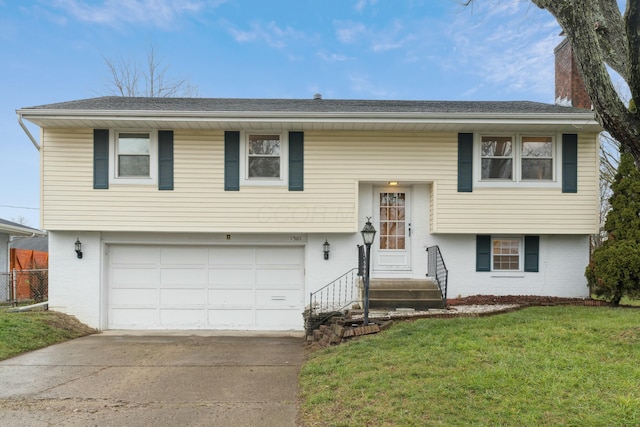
(570, 89)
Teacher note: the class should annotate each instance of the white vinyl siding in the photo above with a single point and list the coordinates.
(335, 162)
(525, 209)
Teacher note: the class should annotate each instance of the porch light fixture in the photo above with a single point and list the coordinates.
(78, 248)
(368, 234)
(326, 247)
(393, 183)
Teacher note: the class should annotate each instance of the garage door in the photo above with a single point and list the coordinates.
(217, 287)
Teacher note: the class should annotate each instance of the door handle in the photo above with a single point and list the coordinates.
(409, 229)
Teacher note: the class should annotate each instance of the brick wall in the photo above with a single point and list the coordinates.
(570, 88)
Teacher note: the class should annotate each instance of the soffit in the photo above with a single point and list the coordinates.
(574, 122)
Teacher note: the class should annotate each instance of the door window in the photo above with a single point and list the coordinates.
(392, 220)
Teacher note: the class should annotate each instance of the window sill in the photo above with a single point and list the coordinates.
(517, 184)
(263, 183)
(507, 274)
(125, 182)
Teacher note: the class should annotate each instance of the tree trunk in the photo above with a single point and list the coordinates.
(601, 36)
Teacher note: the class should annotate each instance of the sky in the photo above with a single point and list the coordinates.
(55, 51)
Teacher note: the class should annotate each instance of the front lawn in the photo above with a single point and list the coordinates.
(21, 332)
(541, 366)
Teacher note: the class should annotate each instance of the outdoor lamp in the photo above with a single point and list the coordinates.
(326, 247)
(78, 248)
(368, 233)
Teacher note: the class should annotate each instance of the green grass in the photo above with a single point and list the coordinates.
(22, 332)
(625, 301)
(541, 366)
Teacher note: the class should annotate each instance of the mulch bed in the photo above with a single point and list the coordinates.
(525, 300)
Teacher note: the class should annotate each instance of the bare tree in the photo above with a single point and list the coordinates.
(128, 78)
(609, 161)
(22, 220)
(602, 36)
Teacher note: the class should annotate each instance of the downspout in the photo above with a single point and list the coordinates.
(26, 130)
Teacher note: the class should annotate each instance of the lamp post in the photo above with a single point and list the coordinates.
(368, 234)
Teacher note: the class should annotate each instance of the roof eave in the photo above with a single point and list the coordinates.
(20, 231)
(580, 119)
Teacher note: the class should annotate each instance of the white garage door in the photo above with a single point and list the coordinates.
(217, 287)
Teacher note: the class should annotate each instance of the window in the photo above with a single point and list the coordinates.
(263, 159)
(505, 254)
(263, 156)
(537, 157)
(133, 157)
(392, 220)
(133, 154)
(516, 158)
(497, 157)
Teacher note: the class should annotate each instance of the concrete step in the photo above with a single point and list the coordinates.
(418, 304)
(413, 284)
(404, 293)
(420, 294)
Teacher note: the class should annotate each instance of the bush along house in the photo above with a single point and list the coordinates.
(208, 213)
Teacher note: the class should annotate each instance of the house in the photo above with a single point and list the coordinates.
(212, 213)
(8, 229)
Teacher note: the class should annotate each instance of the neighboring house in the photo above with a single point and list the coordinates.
(212, 213)
(9, 229)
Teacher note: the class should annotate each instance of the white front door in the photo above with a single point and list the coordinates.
(393, 222)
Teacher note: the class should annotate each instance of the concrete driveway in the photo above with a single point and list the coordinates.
(157, 379)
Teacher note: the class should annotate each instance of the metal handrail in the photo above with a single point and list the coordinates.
(438, 270)
(336, 295)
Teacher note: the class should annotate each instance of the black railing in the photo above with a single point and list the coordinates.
(337, 295)
(438, 270)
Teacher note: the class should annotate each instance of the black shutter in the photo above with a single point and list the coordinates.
(569, 163)
(296, 161)
(232, 161)
(101, 158)
(531, 253)
(483, 253)
(165, 160)
(465, 162)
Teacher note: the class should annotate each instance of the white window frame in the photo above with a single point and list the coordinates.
(516, 178)
(152, 179)
(283, 180)
(520, 240)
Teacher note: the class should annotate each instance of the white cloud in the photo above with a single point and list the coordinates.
(116, 13)
(362, 4)
(269, 33)
(331, 57)
(508, 47)
(360, 83)
(394, 36)
(349, 31)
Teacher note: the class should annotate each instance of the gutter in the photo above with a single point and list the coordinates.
(57, 114)
(26, 130)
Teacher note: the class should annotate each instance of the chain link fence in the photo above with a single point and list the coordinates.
(5, 289)
(24, 285)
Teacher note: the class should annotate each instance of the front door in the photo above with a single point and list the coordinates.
(392, 217)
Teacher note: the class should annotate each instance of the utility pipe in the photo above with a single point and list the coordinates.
(30, 307)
